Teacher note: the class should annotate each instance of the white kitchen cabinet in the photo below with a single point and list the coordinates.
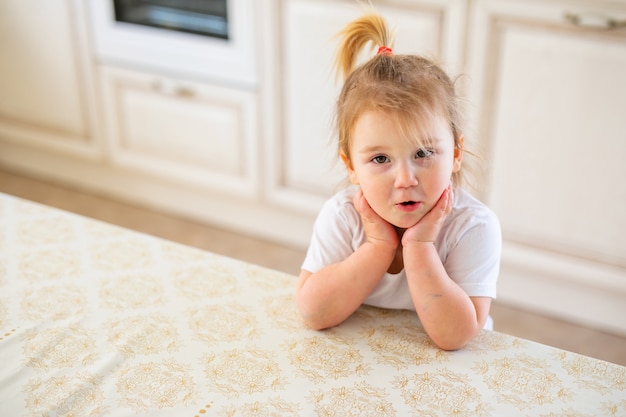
(47, 95)
(304, 169)
(549, 86)
(189, 148)
(181, 131)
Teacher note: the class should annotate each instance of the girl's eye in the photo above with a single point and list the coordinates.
(380, 159)
(423, 153)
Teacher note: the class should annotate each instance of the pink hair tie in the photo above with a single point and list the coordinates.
(384, 50)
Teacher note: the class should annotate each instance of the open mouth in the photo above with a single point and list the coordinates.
(408, 206)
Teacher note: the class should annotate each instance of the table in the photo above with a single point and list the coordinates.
(96, 320)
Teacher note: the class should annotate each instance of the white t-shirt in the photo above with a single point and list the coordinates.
(469, 245)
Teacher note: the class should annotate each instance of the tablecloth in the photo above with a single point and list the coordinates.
(97, 320)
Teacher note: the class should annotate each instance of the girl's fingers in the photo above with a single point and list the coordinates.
(358, 201)
(450, 201)
(362, 206)
(442, 208)
(444, 202)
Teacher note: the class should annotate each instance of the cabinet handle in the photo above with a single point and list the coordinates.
(594, 21)
(178, 91)
(181, 91)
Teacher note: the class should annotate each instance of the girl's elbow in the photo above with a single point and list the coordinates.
(317, 319)
(314, 321)
(453, 341)
(450, 345)
(314, 324)
(310, 314)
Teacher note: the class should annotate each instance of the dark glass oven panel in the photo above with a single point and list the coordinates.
(201, 17)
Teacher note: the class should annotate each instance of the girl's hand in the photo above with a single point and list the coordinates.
(377, 230)
(427, 229)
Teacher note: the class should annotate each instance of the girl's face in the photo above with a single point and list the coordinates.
(401, 180)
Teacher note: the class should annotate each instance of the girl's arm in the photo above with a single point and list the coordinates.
(329, 296)
(450, 317)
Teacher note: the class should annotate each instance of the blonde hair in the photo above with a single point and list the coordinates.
(411, 89)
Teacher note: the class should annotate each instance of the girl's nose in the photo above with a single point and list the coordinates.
(405, 176)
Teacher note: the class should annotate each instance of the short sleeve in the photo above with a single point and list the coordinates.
(473, 262)
(336, 234)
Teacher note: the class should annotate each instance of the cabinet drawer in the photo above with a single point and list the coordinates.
(181, 131)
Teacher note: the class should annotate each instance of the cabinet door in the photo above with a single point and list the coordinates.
(550, 83)
(46, 96)
(182, 132)
(304, 167)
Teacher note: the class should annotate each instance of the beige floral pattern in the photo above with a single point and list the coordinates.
(400, 346)
(441, 392)
(318, 358)
(517, 379)
(248, 370)
(200, 282)
(273, 406)
(59, 347)
(488, 342)
(184, 255)
(143, 335)
(282, 311)
(359, 399)
(597, 375)
(45, 230)
(155, 385)
(122, 254)
(65, 396)
(141, 290)
(50, 264)
(54, 302)
(223, 323)
(96, 320)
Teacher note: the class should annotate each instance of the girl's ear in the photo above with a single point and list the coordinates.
(348, 164)
(458, 154)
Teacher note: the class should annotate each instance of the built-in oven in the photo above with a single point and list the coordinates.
(207, 39)
(201, 17)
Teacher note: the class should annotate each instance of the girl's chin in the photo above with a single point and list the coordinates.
(405, 227)
(404, 223)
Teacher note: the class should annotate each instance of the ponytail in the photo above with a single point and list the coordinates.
(370, 28)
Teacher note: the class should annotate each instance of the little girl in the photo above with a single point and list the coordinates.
(404, 235)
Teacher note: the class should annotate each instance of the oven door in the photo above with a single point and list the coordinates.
(201, 17)
(226, 59)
